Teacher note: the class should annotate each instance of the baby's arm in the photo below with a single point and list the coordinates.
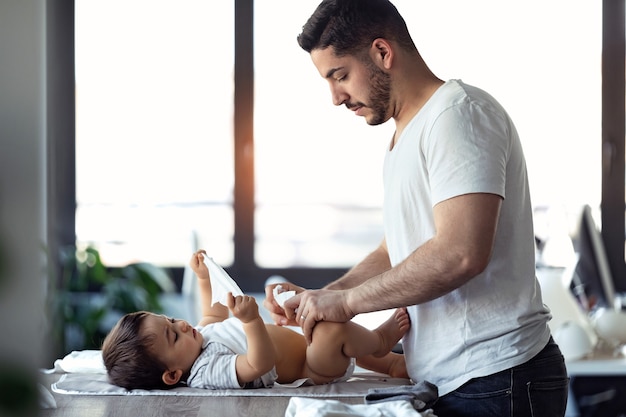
(261, 356)
(210, 313)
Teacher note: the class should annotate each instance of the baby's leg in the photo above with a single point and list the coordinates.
(392, 364)
(334, 344)
(390, 333)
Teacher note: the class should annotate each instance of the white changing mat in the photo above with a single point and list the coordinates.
(357, 386)
(85, 374)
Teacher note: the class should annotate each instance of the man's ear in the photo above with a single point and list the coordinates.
(172, 377)
(381, 53)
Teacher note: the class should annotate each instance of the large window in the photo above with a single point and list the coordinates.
(161, 168)
(154, 136)
(318, 168)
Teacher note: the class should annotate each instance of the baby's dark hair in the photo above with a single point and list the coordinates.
(128, 357)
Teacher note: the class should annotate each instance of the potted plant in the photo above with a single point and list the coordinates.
(91, 297)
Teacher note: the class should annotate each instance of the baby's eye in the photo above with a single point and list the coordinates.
(175, 333)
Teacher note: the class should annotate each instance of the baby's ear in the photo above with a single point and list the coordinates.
(172, 377)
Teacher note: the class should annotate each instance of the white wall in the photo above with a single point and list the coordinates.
(22, 183)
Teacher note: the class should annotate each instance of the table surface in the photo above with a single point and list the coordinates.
(603, 361)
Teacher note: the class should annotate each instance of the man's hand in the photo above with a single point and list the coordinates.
(311, 306)
(276, 311)
(198, 266)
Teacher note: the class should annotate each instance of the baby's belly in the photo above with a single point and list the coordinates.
(290, 349)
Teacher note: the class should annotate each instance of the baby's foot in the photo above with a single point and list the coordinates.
(392, 330)
(397, 366)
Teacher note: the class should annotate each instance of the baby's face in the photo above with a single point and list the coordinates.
(176, 342)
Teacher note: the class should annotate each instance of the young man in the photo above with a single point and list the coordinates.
(149, 351)
(458, 248)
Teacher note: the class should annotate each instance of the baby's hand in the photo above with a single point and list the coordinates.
(243, 307)
(198, 266)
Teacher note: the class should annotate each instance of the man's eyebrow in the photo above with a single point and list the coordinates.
(332, 71)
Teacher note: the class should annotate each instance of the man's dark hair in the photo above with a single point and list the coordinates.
(128, 356)
(349, 26)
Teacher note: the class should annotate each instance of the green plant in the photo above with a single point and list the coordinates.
(92, 296)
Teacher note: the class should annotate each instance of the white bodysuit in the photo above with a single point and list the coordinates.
(215, 367)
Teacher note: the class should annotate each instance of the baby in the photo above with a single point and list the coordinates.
(150, 351)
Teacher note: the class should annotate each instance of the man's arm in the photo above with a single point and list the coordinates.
(460, 249)
(374, 264)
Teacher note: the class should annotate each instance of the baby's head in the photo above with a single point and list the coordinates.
(149, 351)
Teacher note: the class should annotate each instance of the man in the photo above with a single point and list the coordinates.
(459, 243)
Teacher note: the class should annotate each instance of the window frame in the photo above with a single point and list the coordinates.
(613, 136)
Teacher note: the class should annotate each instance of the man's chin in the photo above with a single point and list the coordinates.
(374, 121)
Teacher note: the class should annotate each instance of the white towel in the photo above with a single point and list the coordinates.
(221, 282)
(310, 407)
(79, 361)
(281, 295)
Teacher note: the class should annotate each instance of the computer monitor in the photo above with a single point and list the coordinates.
(592, 282)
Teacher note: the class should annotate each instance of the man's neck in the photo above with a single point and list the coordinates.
(412, 101)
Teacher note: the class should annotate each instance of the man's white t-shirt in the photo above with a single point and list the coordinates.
(462, 141)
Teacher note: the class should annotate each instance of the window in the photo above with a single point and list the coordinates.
(542, 61)
(318, 167)
(154, 136)
(145, 184)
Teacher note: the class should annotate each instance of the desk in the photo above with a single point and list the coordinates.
(605, 365)
(597, 385)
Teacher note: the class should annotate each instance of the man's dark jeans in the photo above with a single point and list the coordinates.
(537, 388)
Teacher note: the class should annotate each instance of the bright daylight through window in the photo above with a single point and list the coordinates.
(155, 138)
(154, 164)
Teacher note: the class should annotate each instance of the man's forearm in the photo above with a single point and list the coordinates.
(374, 264)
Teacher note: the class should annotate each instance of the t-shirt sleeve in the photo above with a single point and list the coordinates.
(467, 151)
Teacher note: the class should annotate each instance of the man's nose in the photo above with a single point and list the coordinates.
(339, 96)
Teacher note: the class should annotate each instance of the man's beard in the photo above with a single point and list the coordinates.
(380, 95)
